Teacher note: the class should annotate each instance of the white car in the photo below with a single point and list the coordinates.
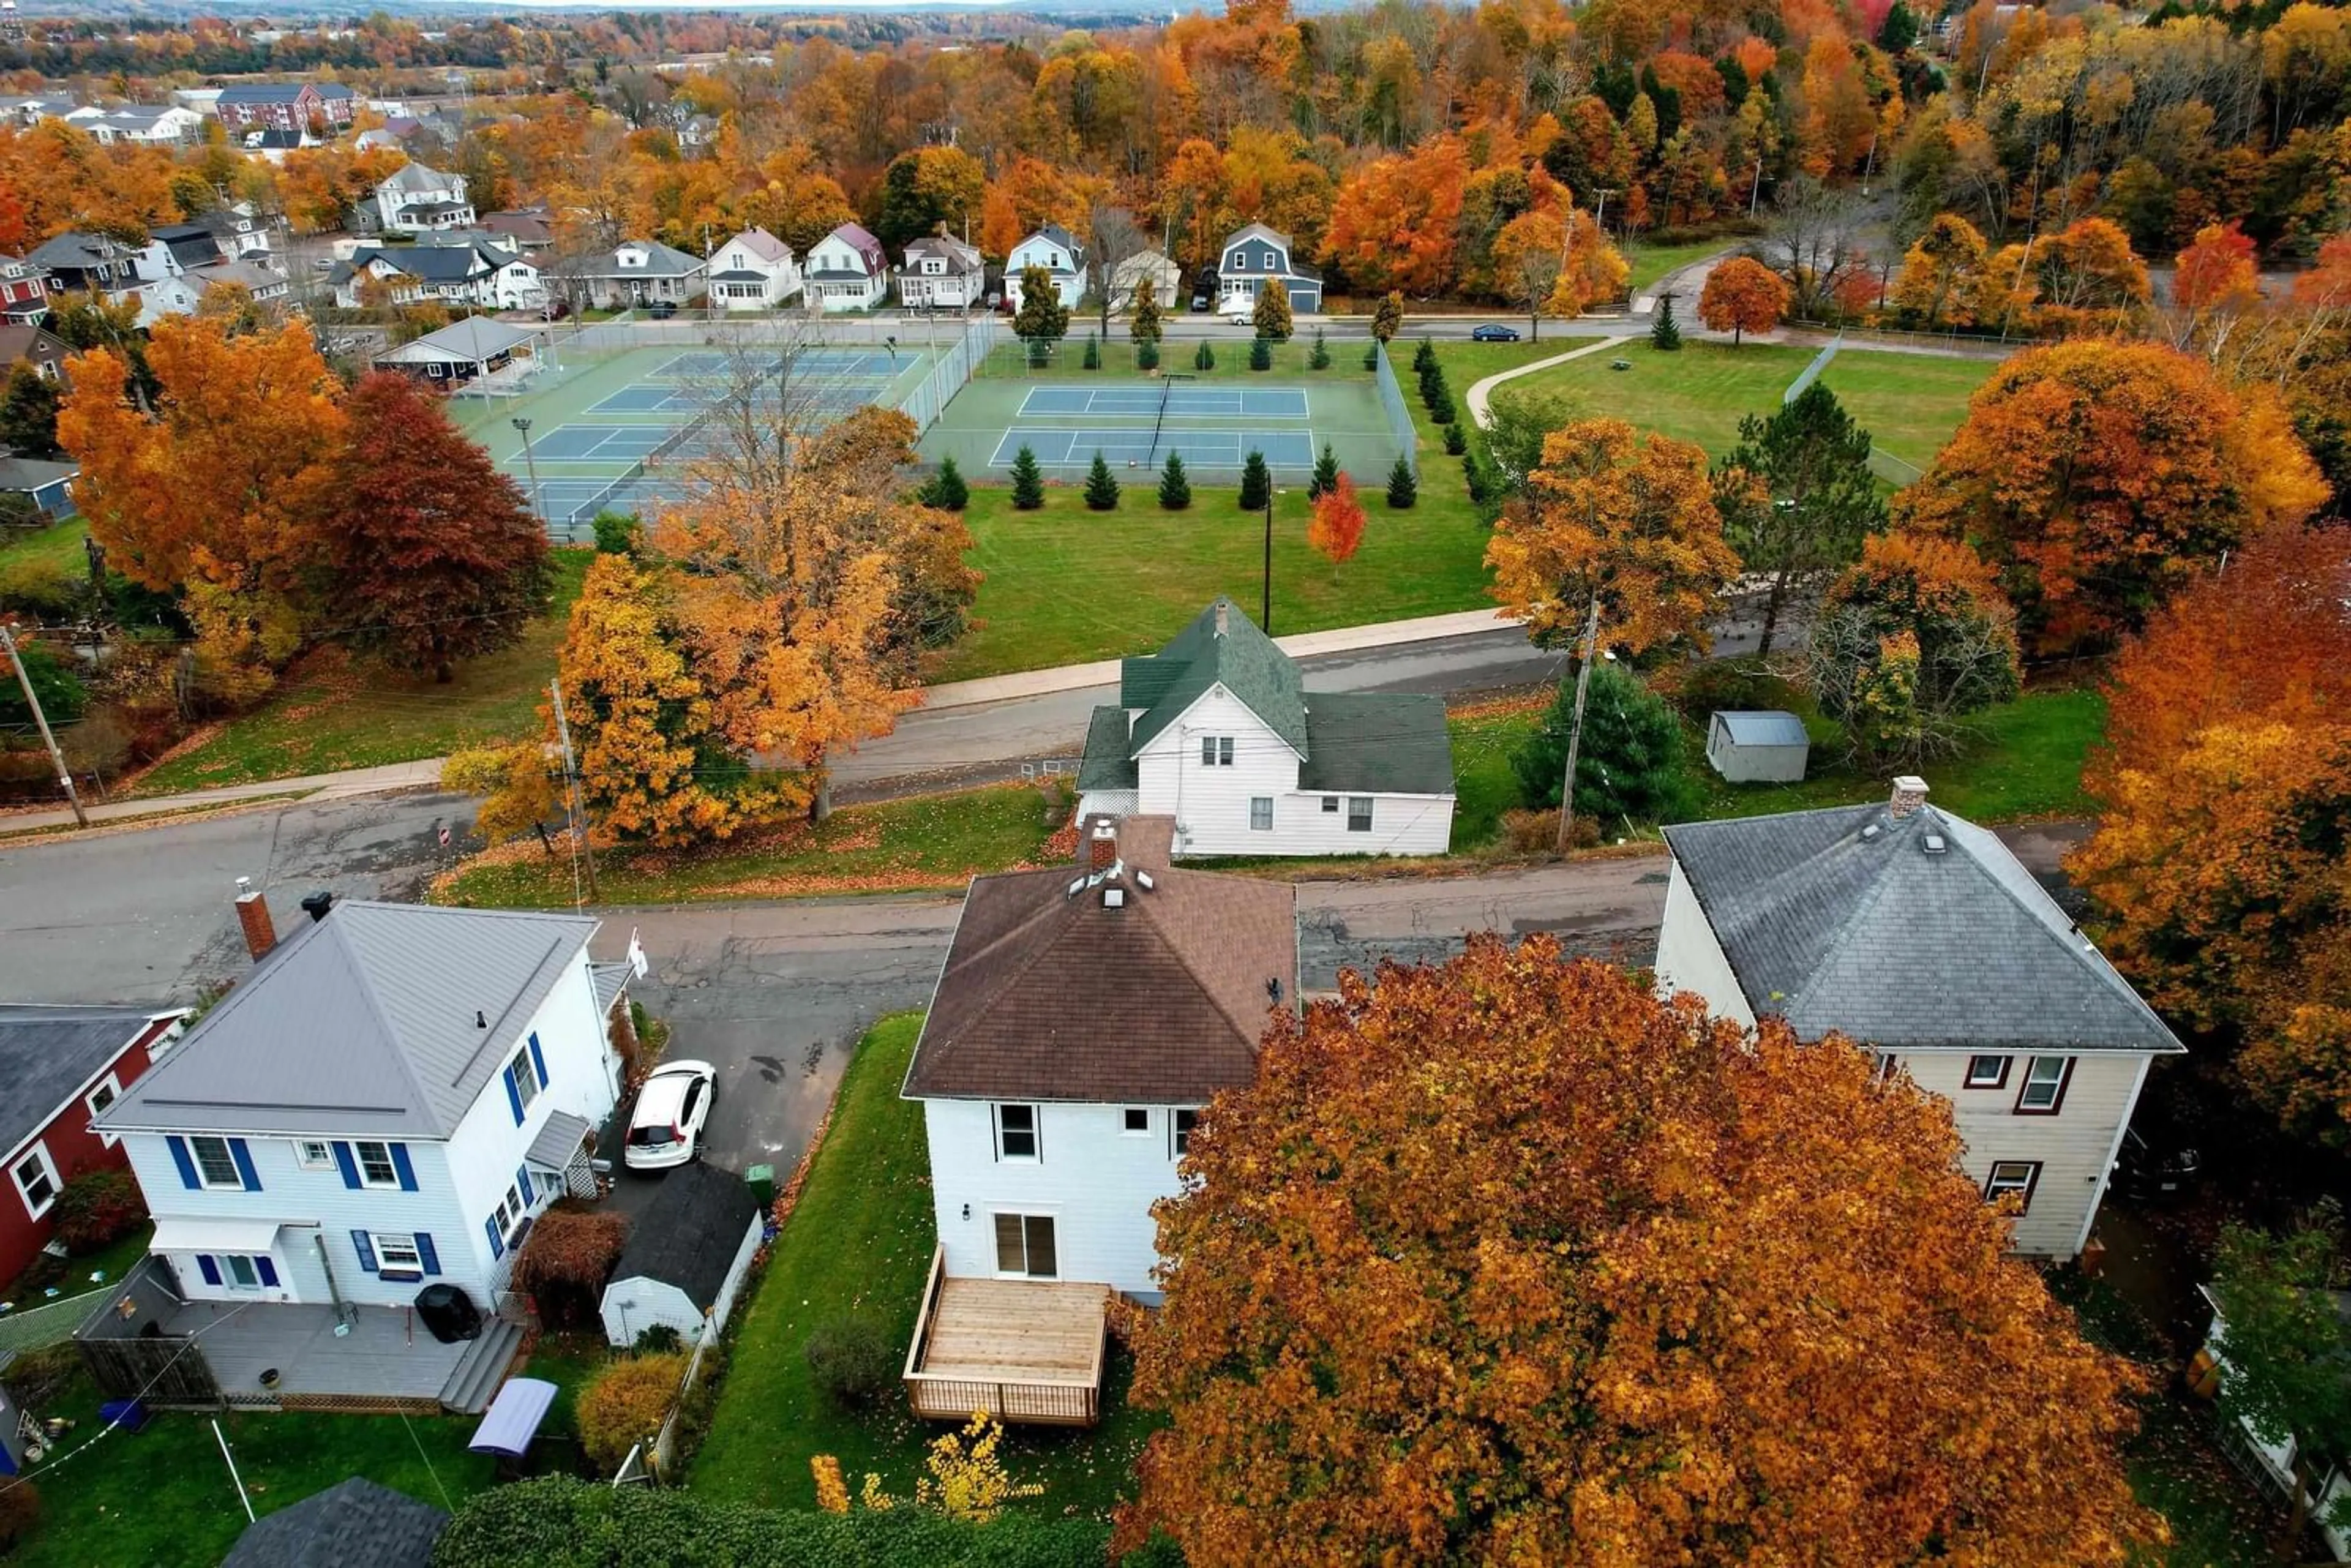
(666, 1129)
(1239, 308)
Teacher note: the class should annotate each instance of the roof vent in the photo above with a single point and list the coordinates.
(1077, 887)
(1935, 844)
(1869, 834)
(1142, 880)
(1114, 898)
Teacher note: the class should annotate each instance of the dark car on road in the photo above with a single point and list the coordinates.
(1492, 333)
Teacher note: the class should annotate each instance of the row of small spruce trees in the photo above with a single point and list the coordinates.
(1103, 489)
(1204, 358)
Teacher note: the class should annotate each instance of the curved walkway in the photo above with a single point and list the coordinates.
(1479, 395)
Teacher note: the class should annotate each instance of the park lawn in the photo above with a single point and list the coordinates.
(923, 843)
(860, 1242)
(1652, 262)
(1065, 585)
(334, 712)
(1910, 403)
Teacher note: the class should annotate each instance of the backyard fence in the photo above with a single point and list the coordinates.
(52, 1322)
(1400, 426)
(957, 366)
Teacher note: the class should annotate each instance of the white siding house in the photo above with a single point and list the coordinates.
(1056, 250)
(1918, 935)
(941, 272)
(1218, 732)
(415, 198)
(753, 271)
(847, 271)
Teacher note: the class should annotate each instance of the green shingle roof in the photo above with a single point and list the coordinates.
(1368, 743)
(1240, 658)
(1106, 764)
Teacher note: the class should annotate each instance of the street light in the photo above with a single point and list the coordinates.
(530, 466)
(1265, 596)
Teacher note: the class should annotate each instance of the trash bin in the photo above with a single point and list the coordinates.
(761, 1180)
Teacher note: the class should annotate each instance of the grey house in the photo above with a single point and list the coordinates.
(1256, 257)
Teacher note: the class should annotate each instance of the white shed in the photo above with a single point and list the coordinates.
(687, 1257)
(1766, 745)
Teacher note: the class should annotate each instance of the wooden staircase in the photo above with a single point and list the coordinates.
(484, 1365)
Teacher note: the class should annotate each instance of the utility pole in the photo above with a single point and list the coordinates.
(578, 812)
(25, 679)
(1576, 732)
(1265, 594)
(1755, 193)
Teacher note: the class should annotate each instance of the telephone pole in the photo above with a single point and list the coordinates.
(25, 679)
(1591, 648)
(578, 813)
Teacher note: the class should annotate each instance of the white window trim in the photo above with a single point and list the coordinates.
(229, 1261)
(2056, 1086)
(39, 1151)
(1967, 1073)
(204, 1177)
(1052, 1217)
(326, 1157)
(385, 1262)
(523, 1074)
(1255, 802)
(112, 1088)
(359, 1163)
(1178, 1134)
(1125, 1130)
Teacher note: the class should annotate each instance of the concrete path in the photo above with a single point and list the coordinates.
(387, 779)
(1481, 393)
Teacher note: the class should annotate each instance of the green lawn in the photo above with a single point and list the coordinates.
(926, 842)
(58, 545)
(1485, 785)
(1652, 262)
(861, 1242)
(71, 1276)
(334, 713)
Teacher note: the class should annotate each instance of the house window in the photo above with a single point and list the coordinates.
(2018, 1177)
(1138, 1120)
(1268, 261)
(1015, 1132)
(1330, 804)
(397, 1254)
(105, 1095)
(1987, 1071)
(1215, 751)
(524, 1081)
(1024, 1245)
(1260, 813)
(511, 1212)
(242, 1274)
(2044, 1085)
(376, 1168)
(215, 1166)
(36, 1180)
(314, 1153)
(1359, 813)
(1180, 1132)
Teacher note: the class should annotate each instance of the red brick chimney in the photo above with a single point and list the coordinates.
(1102, 845)
(1909, 794)
(253, 914)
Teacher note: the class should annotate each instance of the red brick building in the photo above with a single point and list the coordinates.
(285, 106)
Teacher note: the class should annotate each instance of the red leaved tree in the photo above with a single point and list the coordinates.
(1742, 296)
(1336, 528)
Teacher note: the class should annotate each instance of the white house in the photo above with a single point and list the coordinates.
(1256, 256)
(1167, 280)
(1053, 248)
(753, 271)
(1084, 1015)
(415, 198)
(686, 1258)
(847, 271)
(170, 127)
(483, 275)
(943, 273)
(386, 1102)
(1218, 731)
(1918, 935)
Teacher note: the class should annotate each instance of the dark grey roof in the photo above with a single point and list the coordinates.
(738, 275)
(690, 1233)
(433, 263)
(841, 274)
(275, 136)
(660, 261)
(79, 250)
(1107, 764)
(47, 1053)
(364, 1023)
(352, 1524)
(23, 475)
(1370, 743)
(1241, 659)
(558, 1141)
(262, 92)
(611, 980)
(1763, 727)
(1848, 919)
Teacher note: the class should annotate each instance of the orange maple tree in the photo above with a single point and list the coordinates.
(2215, 272)
(1396, 221)
(1336, 527)
(1509, 1260)
(2097, 475)
(1742, 296)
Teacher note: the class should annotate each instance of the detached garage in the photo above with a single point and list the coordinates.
(687, 1257)
(1762, 746)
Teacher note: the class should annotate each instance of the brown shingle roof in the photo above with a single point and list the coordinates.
(1159, 1001)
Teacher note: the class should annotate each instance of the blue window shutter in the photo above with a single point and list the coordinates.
(538, 1060)
(513, 1095)
(365, 1249)
(407, 1172)
(179, 1159)
(429, 1259)
(207, 1267)
(498, 1242)
(347, 1165)
(269, 1272)
(243, 1155)
(522, 1180)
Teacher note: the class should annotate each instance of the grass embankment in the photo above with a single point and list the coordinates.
(334, 712)
(1650, 263)
(859, 1243)
(57, 547)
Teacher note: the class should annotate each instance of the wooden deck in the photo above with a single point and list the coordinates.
(1021, 1350)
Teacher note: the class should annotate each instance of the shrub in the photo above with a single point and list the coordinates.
(624, 1402)
(1402, 488)
(1530, 832)
(1040, 352)
(1027, 482)
(1371, 358)
(1093, 353)
(1204, 358)
(1708, 687)
(41, 590)
(851, 1362)
(1102, 488)
(1261, 354)
(1424, 358)
(661, 1339)
(1319, 358)
(1630, 764)
(20, 1514)
(97, 1208)
(1147, 354)
(618, 533)
(946, 492)
(1456, 442)
(1441, 410)
(565, 1262)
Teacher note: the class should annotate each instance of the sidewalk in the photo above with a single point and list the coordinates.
(1481, 393)
(383, 780)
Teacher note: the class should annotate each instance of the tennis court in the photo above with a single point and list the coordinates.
(877, 363)
(1061, 448)
(1182, 402)
(653, 398)
(600, 443)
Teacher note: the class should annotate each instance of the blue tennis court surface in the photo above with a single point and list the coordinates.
(1187, 402)
(873, 363)
(600, 442)
(1204, 448)
(653, 399)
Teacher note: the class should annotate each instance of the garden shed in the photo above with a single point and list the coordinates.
(687, 1257)
(1760, 747)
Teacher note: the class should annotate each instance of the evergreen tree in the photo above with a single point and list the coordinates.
(1093, 352)
(1271, 316)
(1260, 353)
(1630, 763)
(617, 533)
(1028, 483)
(1147, 354)
(1320, 360)
(1797, 498)
(1440, 409)
(1204, 358)
(946, 492)
(1042, 318)
(1256, 483)
(1102, 489)
(1456, 443)
(1387, 315)
(1370, 359)
(1175, 489)
(1402, 488)
(1326, 473)
(1899, 30)
(1664, 333)
(28, 414)
(1423, 359)
(1146, 327)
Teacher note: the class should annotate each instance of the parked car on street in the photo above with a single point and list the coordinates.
(663, 309)
(1491, 332)
(666, 1128)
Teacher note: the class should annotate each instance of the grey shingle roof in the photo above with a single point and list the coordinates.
(1242, 659)
(353, 1524)
(1763, 727)
(47, 1053)
(1838, 927)
(1370, 743)
(364, 1023)
(688, 1236)
(660, 261)
(1107, 764)
(433, 263)
(558, 1141)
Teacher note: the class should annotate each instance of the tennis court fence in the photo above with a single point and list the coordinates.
(962, 360)
(1392, 403)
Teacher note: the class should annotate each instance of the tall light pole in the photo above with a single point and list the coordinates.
(530, 466)
(1265, 593)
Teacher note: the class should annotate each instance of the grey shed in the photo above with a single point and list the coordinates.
(1764, 747)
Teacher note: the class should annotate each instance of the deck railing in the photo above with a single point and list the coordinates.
(941, 1396)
